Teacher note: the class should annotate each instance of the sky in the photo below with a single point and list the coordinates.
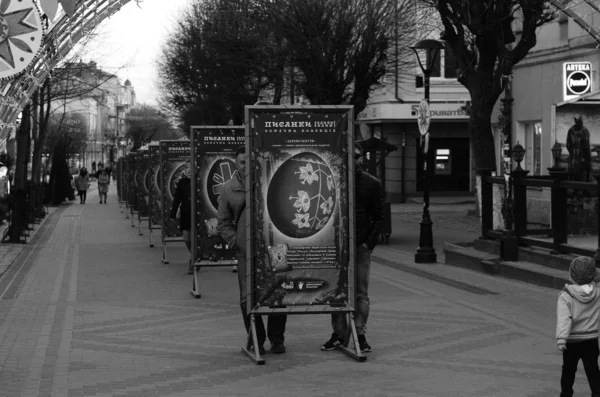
(129, 43)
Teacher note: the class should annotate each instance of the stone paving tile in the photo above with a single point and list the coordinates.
(98, 314)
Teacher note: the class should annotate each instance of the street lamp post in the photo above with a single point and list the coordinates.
(425, 252)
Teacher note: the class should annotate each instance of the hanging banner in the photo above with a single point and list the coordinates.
(174, 162)
(154, 187)
(142, 183)
(299, 218)
(213, 156)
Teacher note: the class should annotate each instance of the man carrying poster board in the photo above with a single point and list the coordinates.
(368, 208)
(232, 227)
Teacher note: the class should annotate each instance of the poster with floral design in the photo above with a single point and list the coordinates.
(174, 162)
(300, 207)
(213, 154)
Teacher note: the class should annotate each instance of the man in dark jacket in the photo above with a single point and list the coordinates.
(183, 199)
(232, 227)
(368, 219)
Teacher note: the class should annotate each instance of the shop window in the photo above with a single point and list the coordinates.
(533, 141)
(443, 166)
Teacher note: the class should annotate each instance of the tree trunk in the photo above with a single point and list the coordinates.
(23, 143)
(480, 128)
(19, 196)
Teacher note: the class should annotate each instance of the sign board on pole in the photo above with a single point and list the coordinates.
(577, 79)
(424, 117)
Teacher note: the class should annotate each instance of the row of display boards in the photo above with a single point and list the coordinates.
(299, 215)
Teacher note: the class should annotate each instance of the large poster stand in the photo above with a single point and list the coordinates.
(154, 196)
(120, 190)
(142, 183)
(127, 184)
(174, 157)
(300, 234)
(133, 204)
(213, 161)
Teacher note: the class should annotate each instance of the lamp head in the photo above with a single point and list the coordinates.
(431, 48)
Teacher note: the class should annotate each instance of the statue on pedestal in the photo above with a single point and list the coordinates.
(580, 155)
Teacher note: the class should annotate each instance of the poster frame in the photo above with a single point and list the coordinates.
(133, 187)
(197, 264)
(353, 349)
(301, 309)
(165, 240)
(140, 162)
(152, 147)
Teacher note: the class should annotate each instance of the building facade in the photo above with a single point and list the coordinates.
(391, 115)
(98, 113)
(555, 83)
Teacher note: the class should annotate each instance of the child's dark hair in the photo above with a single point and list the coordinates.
(240, 150)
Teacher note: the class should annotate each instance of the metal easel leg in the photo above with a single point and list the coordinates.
(253, 340)
(195, 285)
(164, 253)
(353, 350)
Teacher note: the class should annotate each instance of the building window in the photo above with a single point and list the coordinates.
(533, 144)
(443, 165)
(563, 27)
(444, 66)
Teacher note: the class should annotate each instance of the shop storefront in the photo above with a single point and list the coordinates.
(549, 92)
(449, 155)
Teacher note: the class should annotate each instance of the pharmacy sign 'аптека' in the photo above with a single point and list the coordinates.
(577, 79)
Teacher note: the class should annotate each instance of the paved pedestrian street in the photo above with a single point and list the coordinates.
(89, 309)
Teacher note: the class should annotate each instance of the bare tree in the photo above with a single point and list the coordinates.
(481, 35)
(216, 61)
(70, 81)
(342, 48)
(146, 123)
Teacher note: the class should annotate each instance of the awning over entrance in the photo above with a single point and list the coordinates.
(376, 145)
(593, 98)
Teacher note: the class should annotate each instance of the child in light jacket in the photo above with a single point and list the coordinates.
(577, 315)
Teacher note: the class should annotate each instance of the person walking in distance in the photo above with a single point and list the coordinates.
(577, 313)
(368, 220)
(103, 182)
(232, 227)
(82, 183)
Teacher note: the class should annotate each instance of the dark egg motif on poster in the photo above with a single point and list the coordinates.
(301, 196)
(179, 173)
(221, 172)
(147, 181)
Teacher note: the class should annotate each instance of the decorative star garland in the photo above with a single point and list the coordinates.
(21, 36)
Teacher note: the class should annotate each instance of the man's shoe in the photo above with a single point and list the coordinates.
(277, 348)
(362, 343)
(332, 343)
(234, 269)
